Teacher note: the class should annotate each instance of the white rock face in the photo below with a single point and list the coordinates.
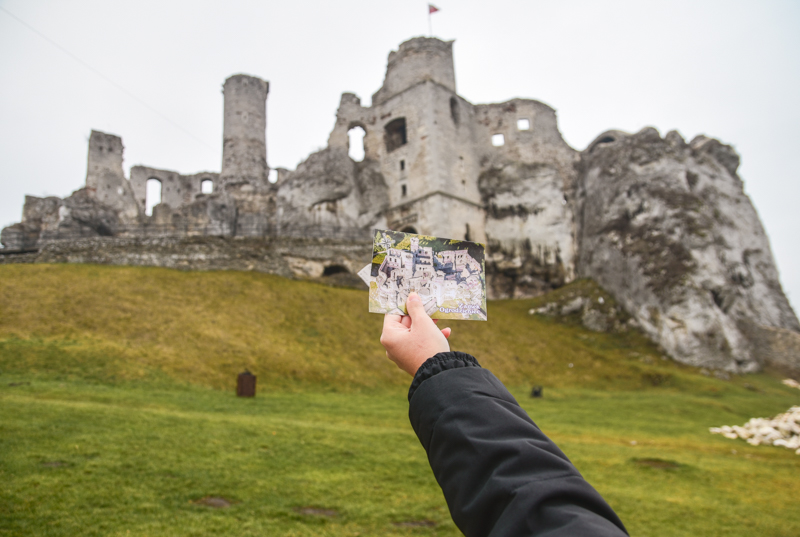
(667, 228)
(782, 430)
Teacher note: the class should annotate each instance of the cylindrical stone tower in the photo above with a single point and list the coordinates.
(244, 136)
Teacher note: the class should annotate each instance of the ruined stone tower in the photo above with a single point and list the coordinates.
(419, 130)
(104, 175)
(244, 138)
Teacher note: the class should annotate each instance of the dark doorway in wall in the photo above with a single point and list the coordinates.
(409, 229)
(356, 143)
(206, 186)
(152, 196)
(395, 134)
(330, 270)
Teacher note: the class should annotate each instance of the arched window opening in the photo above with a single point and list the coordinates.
(272, 176)
(152, 195)
(356, 143)
(330, 270)
(395, 134)
(524, 124)
(409, 229)
(498, 140)
(454, 112)
(206, 186)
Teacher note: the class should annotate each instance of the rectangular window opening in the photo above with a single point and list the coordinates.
(403, 190)
(498, 140)
(395, 134)
(402, 165)
(524, 124)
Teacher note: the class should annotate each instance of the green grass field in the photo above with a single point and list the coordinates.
(118, 416)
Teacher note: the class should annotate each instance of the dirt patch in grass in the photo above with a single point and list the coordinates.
(416, 524)
(55, 464)
(661, 464)
(316, 511)
(216, 502)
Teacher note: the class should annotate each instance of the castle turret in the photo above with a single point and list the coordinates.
(418, 60)
(244, 138)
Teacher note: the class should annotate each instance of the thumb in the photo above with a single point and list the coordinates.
(415, 308)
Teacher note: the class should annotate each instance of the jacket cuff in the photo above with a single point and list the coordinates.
(441, 362)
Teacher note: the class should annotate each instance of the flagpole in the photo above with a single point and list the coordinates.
(430, 28)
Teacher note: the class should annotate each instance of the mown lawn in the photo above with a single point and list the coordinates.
(118, 417)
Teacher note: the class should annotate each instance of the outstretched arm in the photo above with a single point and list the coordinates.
(500, 475)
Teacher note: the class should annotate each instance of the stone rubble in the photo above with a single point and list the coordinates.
(782, 430)
(791, 383)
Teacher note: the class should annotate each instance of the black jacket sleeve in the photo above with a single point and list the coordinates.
(501, 476)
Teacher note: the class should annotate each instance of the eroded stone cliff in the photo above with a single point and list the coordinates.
(667, 228)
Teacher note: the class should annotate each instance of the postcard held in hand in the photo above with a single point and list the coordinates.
(449, 275)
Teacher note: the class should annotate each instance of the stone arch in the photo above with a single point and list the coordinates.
(153, 194)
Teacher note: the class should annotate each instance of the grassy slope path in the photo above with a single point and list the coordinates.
(117, 414)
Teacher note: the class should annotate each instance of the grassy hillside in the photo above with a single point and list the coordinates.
(117, 413)
(126, 323)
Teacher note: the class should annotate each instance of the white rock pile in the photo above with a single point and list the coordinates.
(782, 430)
(791, 383)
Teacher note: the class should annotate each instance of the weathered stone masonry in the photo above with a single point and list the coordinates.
(663, 225)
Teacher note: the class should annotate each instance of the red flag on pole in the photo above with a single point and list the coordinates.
(432, 9)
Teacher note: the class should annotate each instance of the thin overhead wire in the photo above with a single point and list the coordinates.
(104, 77)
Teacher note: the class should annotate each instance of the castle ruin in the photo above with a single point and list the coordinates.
(662, 224)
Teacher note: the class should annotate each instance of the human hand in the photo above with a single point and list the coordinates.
(411, 339)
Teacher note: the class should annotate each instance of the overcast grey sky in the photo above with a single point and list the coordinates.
(728, 69)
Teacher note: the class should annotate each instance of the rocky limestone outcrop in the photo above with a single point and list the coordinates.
(666, 227)
(330, 189)
(586, 303)
(530, 229)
